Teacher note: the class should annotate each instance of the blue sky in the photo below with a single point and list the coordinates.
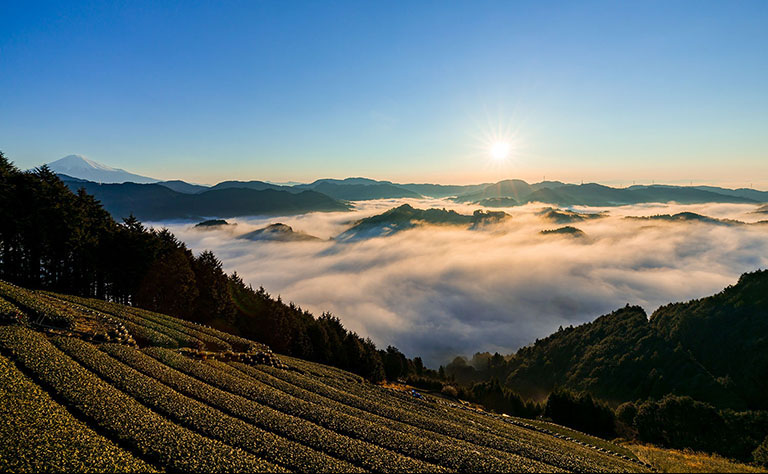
(410, 91)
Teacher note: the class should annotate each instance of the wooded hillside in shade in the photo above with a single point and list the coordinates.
(727, 333)
(712, 349)
(54, 239)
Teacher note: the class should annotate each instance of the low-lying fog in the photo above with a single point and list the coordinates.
(439, 292)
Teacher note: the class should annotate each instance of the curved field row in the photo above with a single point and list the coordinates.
(507, 426)
(234, 342)
(215, 340)
(137, 329)
(449, 453)
(9, 313)
(467, 424)
(44, 436)
(157, 408)
(123, 314)
(153, 437)
(357, 452)
(406, 427)
(35, 307)
(198, 416)
(425, 419)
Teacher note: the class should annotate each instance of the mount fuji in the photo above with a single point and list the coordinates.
(78, 166)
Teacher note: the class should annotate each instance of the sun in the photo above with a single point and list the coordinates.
(500, 150)
(498, 142)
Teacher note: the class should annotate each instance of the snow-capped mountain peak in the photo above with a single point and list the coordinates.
(81, 167)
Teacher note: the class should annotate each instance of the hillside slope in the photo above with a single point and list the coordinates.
(726, 333)
(159, 393)
(712, 349)
(617, 357)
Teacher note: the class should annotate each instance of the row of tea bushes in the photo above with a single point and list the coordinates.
(460, 450)
(9, 313)
(365, 455)
(45, 437)
(150, 435)
(445, 454)
(480, 430)
(198, 416)
(36, 308)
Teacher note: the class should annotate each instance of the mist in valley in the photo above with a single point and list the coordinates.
(442, 291)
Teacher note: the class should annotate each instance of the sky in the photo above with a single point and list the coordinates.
(613, 92)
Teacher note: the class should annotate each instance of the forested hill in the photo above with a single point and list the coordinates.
(714, 350)
(727, 333)
(406, 217)
(618, 357)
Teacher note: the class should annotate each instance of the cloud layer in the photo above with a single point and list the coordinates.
(439, 292)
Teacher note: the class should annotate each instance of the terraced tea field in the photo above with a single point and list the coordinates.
(94, 386)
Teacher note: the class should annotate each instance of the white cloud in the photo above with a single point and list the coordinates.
(443, 291)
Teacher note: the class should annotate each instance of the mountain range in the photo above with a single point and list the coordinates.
(155, 202)
(123, 192)
(516, 191)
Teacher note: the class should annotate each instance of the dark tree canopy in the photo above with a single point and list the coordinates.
(55, 239)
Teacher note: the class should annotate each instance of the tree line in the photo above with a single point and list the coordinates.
(57, 240)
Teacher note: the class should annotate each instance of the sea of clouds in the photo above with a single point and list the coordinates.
(441, 291)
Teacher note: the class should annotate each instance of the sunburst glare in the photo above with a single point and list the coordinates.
(498, 141)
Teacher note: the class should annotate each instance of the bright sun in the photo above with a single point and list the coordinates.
(500, 150)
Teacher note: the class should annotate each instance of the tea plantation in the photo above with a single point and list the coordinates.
(88, 385)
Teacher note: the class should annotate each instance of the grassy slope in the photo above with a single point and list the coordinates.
(153, 407)
(672, 460)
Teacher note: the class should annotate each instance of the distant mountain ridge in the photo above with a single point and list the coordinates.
(183, 187)
(760, 196)
(156, 202)
(593, 194)
(359, 189)
(506, 193)
(255, 185)
(516, 189)
(687, 217)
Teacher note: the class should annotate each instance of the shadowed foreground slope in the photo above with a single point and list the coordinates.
(162, 393)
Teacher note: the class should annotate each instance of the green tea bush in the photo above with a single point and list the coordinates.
(44, 437)
(366, 455)
(37, 308)
(9, 313)
(198, 416)
(152, 436)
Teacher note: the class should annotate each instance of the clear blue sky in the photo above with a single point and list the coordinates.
(285, 90)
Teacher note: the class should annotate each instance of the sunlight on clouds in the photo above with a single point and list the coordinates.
(442, 291)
